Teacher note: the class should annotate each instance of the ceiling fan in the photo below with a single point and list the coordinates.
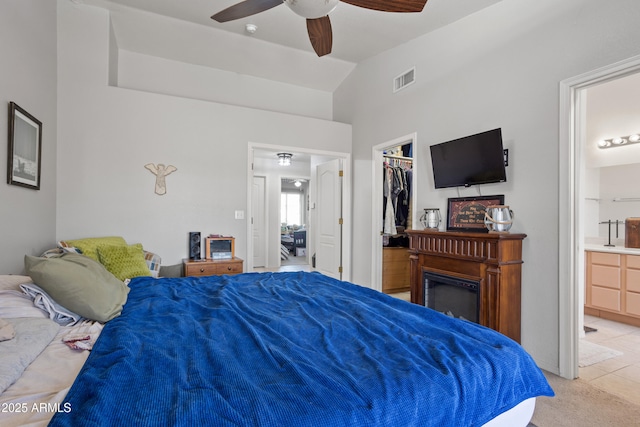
(317, 14)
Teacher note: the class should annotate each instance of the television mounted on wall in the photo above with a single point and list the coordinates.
(471, 160)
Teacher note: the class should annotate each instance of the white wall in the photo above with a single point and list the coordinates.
(28, 78)
(612, 109)
(619, 182)
(500, 67)
(158, 75)
(107, 135)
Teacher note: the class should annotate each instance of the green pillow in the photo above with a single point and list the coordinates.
(89, 246)
(79, 284)
(124, 262)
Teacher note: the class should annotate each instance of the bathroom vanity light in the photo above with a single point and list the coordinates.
(619, 141)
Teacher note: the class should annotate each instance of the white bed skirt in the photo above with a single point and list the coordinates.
(518, 416)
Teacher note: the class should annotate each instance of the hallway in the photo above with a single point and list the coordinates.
(292, 264)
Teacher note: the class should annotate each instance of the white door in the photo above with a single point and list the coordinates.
(329, 219)
(258, 222)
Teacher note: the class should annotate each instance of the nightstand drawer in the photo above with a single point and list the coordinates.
(200, 269)
(213, 267)
(229, 268)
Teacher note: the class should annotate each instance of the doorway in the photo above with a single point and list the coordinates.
(262, 160)
(571, 215)
(378, 199)
(294, 223)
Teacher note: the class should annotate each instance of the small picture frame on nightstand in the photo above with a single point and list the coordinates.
(219, 247)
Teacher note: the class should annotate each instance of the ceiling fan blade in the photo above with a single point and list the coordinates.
(320, 34)
(244, 9)
(390, 5)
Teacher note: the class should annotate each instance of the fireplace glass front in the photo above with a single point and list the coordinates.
(459, 298)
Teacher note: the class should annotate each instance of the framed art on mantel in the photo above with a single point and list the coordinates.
(25, 148)
(467, 213)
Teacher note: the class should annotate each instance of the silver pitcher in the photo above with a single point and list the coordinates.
(498, 218)
(431, 218)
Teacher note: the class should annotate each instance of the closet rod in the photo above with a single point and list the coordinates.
(626, 199)
(390, 156)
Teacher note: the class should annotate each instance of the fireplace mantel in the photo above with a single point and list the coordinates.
(492, 259)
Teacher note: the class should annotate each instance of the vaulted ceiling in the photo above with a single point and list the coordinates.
(183, 30)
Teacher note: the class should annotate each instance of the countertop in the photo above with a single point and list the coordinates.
(598, 245)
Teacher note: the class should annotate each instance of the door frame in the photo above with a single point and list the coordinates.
(265, 234)
(571, 158)
(347, 228)
(377, 198)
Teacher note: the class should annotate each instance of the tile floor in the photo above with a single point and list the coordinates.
(619, 375)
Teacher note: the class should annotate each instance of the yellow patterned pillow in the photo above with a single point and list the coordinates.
(89, 246)
(124, 262)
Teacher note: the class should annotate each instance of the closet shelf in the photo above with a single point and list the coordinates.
(615, 199)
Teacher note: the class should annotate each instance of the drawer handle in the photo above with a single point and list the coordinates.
(229, 268)
(202, 270)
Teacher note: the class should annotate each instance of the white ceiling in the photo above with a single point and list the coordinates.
(280, 43)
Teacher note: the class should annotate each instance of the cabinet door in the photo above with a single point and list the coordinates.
(633, 284)
(633, 273)
(605, 280)
(605, 298)
(633, 303)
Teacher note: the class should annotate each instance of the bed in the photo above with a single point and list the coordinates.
(278, 349)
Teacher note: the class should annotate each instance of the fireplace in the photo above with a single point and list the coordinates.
(453, 296)
(492, 262)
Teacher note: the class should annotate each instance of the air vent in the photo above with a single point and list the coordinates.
(404, 79)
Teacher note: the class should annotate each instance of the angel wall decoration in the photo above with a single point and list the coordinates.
(160, 171)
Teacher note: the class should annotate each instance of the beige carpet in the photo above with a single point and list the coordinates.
(579, 404)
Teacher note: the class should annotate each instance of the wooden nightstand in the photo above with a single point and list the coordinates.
(210, 267)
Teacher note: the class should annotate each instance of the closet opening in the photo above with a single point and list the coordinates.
(396, 217)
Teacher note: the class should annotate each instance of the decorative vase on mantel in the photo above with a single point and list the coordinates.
(498, 218)
(431, 218)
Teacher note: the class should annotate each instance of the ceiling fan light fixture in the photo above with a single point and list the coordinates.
(251, 28)
(312, 9)
(284, 159)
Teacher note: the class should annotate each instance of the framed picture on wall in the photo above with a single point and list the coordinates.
(25, 148)
(467, 213)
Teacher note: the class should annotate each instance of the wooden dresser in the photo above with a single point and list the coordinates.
(209, 267)
(494, 260)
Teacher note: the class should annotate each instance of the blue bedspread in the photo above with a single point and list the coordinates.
(292, 349)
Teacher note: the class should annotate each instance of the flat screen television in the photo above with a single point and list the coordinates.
(472, 160)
